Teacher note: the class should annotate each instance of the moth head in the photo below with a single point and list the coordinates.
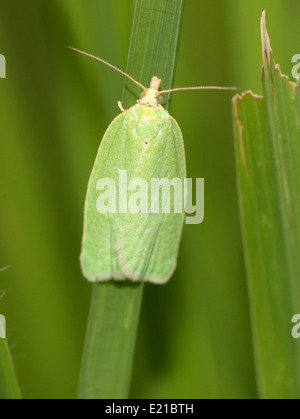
(151, 97)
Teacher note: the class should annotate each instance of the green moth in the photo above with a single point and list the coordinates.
(134, 208)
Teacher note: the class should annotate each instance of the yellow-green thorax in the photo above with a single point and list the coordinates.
(150, 97)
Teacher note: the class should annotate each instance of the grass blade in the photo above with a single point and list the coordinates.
(114, 311)
(268, 164)
(110, 339)
(9, 388)
(154, 45)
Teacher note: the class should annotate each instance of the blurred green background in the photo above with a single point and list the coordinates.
(194, 336)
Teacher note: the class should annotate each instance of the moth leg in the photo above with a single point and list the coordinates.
(120, 106)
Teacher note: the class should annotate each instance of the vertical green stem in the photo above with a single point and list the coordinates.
(115, 307)
(110, 339)
(9, 388)
(268, 161)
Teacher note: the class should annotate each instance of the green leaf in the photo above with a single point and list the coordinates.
(9, 388)
(154, 46)
(267, 133)
(114, 312)
(110, 339)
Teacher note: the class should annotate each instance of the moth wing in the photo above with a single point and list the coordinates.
(149, 242)
(101, 230)
(119, 150)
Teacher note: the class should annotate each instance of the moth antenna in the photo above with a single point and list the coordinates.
(109, 65)
(177, 89)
